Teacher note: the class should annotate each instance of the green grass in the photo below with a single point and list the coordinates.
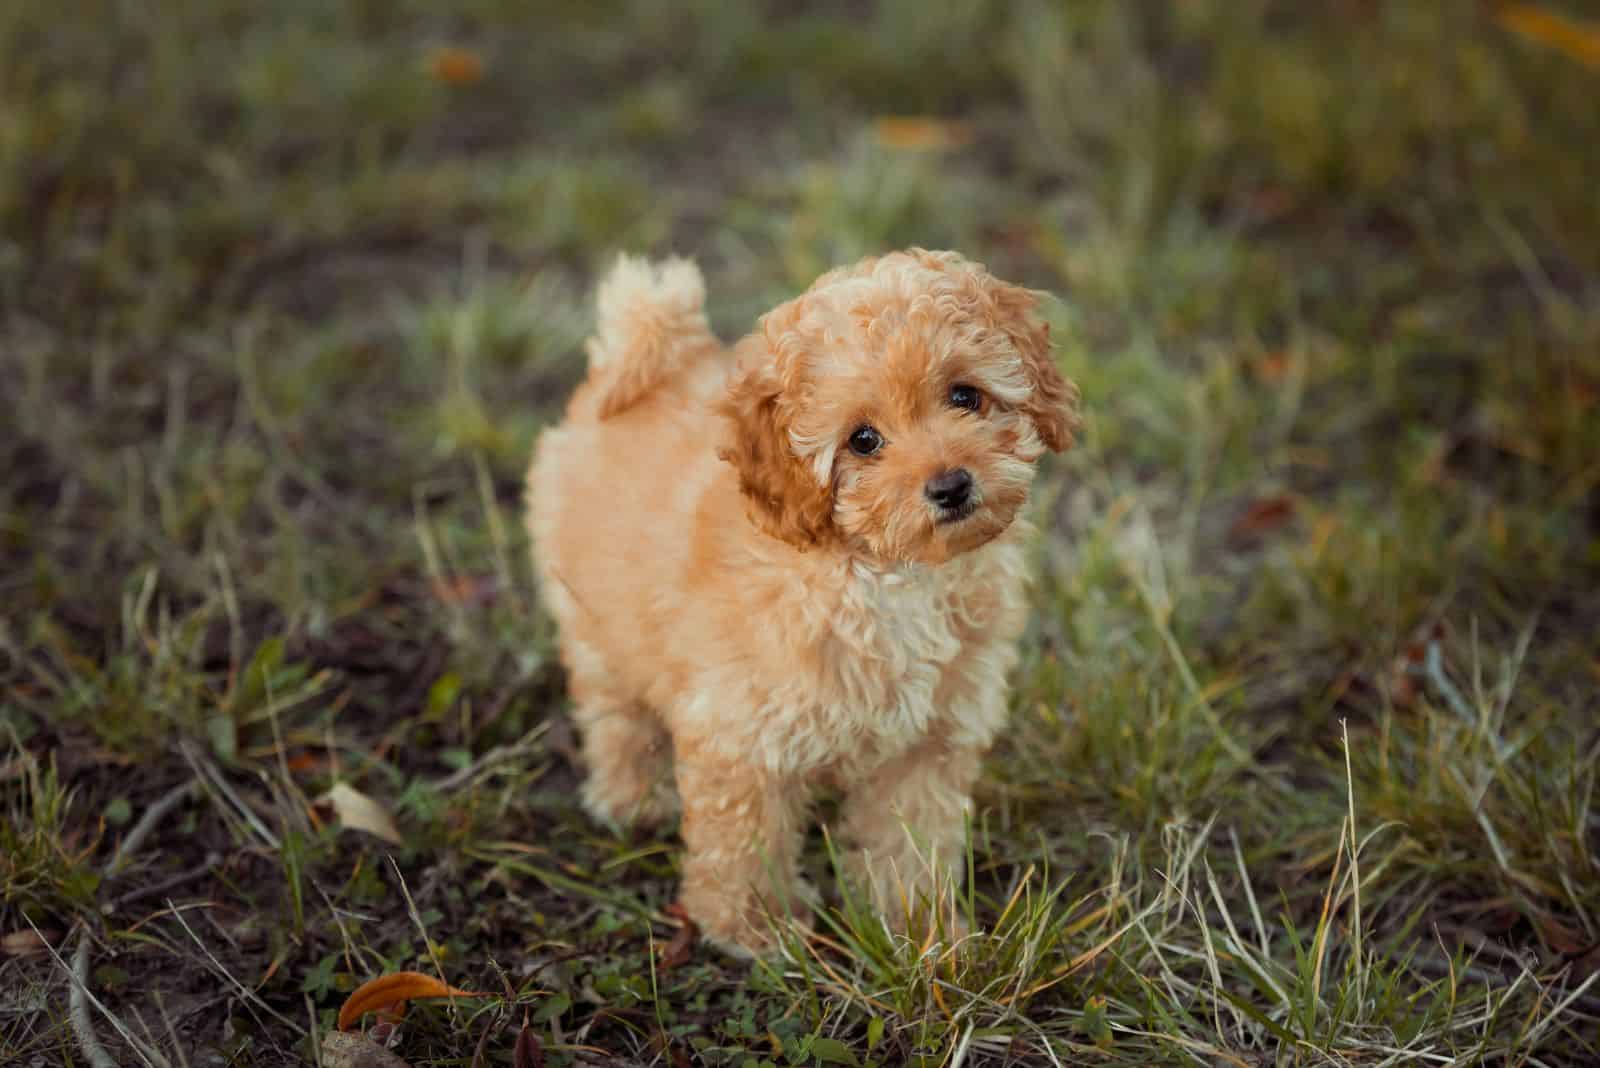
(1303, 759)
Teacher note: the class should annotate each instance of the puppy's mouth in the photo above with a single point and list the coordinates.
(948, 516)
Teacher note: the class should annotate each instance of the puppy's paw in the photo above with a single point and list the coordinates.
(619, 810)
(747, 927)
(926, 903)
(759, 938)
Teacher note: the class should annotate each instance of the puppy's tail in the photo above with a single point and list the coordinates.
(652, 324)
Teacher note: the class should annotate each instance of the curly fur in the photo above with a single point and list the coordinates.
(750, 611)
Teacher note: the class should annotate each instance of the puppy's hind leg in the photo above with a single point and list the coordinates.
(629, 757)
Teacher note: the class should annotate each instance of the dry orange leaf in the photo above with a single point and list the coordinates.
(677, 952)
(306, 761)
(1262, 515)
(916, 132)
(1579, 40)
(393, 990)
(1272, 367)
(1585, 394)
(456, 66)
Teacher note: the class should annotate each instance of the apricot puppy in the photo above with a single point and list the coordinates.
(796, 563)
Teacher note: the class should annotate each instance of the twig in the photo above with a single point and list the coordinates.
(158, 811)
(500, 754)
(79, 998)
(250, 998)
(78, 1007)
(214, 780)
(206, 867)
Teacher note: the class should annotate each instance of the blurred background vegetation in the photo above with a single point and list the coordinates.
(287, 290)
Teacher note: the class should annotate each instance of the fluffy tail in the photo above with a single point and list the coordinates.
(652, 323)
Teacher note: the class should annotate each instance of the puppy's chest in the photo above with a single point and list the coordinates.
(877, 666)
(899, 619)
(890, 640)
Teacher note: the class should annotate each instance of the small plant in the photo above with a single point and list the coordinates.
(45, 868)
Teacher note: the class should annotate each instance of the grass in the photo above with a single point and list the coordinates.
(1303, 759)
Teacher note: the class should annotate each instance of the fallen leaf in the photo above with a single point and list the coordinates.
(456, 66)
(23, 943)
(1585, 394)
(361, 813)
(1271, 367)
(1578, 40)
(389, 991)
(341, 1050)
(528, 1052)
(676, 953)
(305, 760)
(1261, 516)
(920, 133)
(1270, 202)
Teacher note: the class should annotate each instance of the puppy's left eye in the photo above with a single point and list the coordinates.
(967, 397)
(865, 441)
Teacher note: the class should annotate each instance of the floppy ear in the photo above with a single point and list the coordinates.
(785, 499)
(1053, 404)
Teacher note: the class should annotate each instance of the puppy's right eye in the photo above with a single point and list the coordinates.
(865, 441)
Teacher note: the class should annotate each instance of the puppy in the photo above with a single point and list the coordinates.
(797, 564)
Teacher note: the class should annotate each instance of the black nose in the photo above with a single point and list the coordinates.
(949, 489)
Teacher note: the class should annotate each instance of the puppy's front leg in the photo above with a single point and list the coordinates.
(905, 822)
(742, 830)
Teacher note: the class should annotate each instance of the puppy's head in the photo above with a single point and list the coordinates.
(896, 409)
